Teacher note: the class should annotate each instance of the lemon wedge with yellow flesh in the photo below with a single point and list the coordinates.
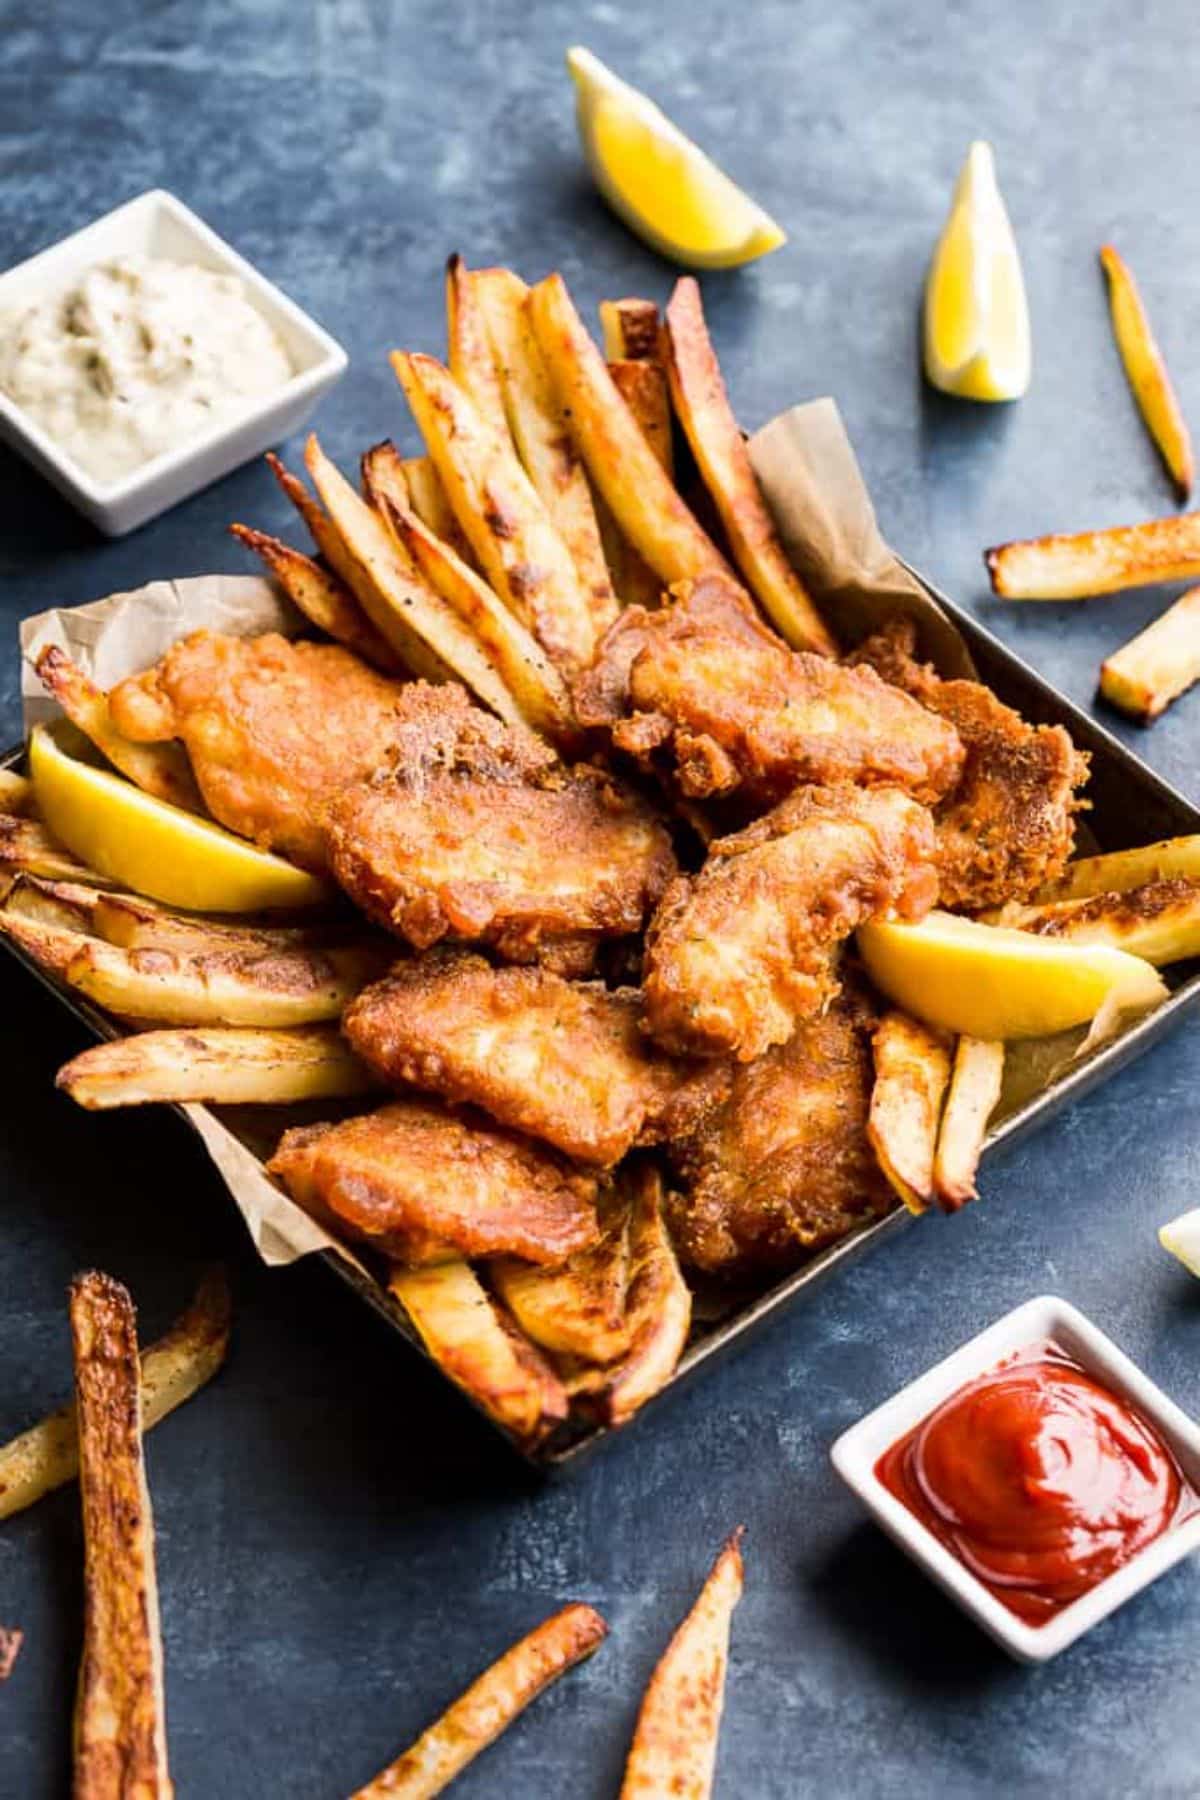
(1182, 1238)
(659, 181)
(987, 981)
(977, 340)
(155, 848)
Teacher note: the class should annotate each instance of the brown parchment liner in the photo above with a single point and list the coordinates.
(815, 489)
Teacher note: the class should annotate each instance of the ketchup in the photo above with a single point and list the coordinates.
(1040, 1480)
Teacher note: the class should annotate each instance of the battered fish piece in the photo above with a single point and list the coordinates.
(784, 1168)
(1009, 823)
(272, 728)
(739, 955)
(422, 1185)
(482, 836)
(564, 1061)
(704, 687)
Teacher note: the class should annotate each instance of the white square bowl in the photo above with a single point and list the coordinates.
(857, 1451)
(157, 224)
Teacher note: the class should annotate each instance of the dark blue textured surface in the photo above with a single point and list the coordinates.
(340, 1544)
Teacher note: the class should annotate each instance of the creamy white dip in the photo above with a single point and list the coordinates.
(138, 357)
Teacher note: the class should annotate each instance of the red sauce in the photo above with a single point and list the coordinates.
(1040, 1480)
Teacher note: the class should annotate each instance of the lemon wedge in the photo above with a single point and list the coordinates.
(1182, 1238)
(977, 342)
(986, 981)
(658, 181)
(155, 848)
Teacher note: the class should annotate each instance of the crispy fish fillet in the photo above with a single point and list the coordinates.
(480, 835)
(739, 955)
(1008, 825)
(423, 1185)
(704, 687)
(564, 1061)
(784, 1169)
(272, 728)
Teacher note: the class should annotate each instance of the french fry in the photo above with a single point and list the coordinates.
(577, 1308)
(912, 1070)
(497, 506)
(1118, 871)
(26, 847)
(68, 904)
(321, 596)
(159, 769)
(52, 945)
(489, 1706)
(16, 793)
(621, 463)
(132, 923)
(470, 357)
(1162, 662)
(215, 1066)
(1147, 371)
(468, 1336)
(428, 635)
(382, 470)
(630, 330)
(10, 1648)
(1076, 565)
(120, 1722)
(291, 987)
(974, 1090)
(702, 405)
(644, 388)
(1158, 921)
(674, 1747)
(173, 1368)
(429, 502)
(542, 438)
(321, 529)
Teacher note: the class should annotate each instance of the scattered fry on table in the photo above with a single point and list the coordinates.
(912, 1070)
(1078, 565)
(11, 1640)
(1147, 371)
(975, 1082)
(1162, 662)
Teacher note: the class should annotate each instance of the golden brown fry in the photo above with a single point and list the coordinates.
(1162, 662)
(1115, 873)
(674, 1748)
(429, 502)
(621, 463)
(470, 358)
(291, 987)
(120, 1723)
(10, 1648)
(912, 1070)
(1147, 371)
(630, 330)
(51, 945)
(215, 1066)
(1158, 921)
(489, 1706)
(540, 433)
(159, 769)
(576, 1308)
(702, 404)
(62, 903)
(16, 793)
(497, 506)
(321, 530)
(134, 923)
(382, 470)
(1075, 565)
(644, 389)
(26, 847)
(482, 1352)
(971, 1100)
(321, 596)
(173, 1368)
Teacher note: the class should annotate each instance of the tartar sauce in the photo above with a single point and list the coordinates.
(140, 356)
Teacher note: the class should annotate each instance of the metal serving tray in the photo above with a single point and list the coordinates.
(1130, 805)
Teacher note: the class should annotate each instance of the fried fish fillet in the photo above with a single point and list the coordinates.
(422, 1185)
(784, 1168)
(272, 728)
(564, 1061)
(704, 686)
(739, 955)
(1008, 825)
(480, 835)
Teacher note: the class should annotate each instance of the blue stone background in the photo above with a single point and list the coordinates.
(341, 1544)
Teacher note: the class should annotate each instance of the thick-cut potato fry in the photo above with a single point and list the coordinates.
(542, 438)
(26, 847)
(630, 330)
(621, 463)
(644, 388)
(1158, 921)
(702, 405)
(321, 530)
(1118, 871)
(64, 903)
(497, 506)
(489, 1706)
(159, 769)
(321, 596)
(431, 506)
(16, 792)
(577, 1308)
(526, 670)
(1147, 371)
(52, 945)
(971, 1100)
(1154, 668)
(271, 988)
(912, 1070)
(1077, 565)
(10, 1648)
(120, 1716)
(482, 1352)
(382, 471)
(424, 631)
(469, 345)
(133, 923)
(173, 1368)
(216, 1066)
(674, 1748)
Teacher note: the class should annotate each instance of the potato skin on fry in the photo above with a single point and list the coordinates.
(219, 1066)
(1147, 371)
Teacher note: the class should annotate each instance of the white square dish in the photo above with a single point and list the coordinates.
(157, 224)
(857, 1451)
